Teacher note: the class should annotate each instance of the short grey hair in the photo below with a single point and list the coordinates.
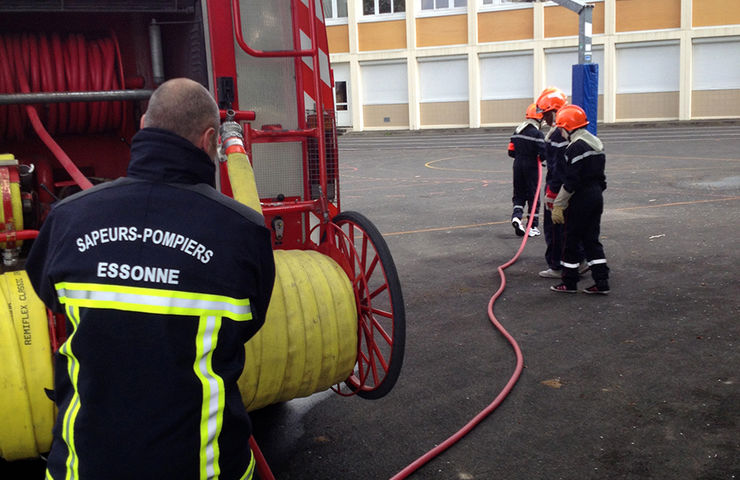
(184, 107)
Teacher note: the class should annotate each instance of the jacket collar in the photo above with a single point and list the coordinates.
(161, 156)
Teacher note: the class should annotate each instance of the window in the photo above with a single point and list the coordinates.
(335, 9)
(506, 76)
(716, 63)
(440, 4)
(443, 79)
(493, 2)
(384, 83)
(377, 7)
(648, 67)
(340, 88)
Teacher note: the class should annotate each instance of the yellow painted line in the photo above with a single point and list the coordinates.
(487, 224)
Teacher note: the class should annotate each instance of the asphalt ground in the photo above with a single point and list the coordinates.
(642, 383)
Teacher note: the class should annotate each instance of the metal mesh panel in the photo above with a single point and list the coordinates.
(278, 169)
(332, 170)
(267, 85)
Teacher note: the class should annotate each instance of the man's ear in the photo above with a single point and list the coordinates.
(141, 122)
(206, 138)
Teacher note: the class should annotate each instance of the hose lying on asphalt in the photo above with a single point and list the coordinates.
(419, 462)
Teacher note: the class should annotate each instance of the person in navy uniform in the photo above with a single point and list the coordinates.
(527, 148)
(580, 202)
(162, 280)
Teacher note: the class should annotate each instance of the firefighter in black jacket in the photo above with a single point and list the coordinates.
(580, 202)
(527, 147)
(162, 279)
(549, 102)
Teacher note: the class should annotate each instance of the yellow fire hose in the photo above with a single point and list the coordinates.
(26, 413)
(308, 342)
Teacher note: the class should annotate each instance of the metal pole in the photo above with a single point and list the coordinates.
(585, 31)
(69, 97)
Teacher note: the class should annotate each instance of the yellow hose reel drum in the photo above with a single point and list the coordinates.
(337, 315)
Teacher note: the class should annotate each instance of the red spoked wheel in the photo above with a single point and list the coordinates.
(380, 308)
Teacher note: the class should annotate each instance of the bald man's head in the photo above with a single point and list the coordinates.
(184, 107)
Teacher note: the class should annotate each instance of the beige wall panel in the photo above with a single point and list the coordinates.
(338, 36)
(444, 113)
(382, 35)
(376, 115)
(561, 22)
(635, 15)
(503, 111)
(505, 25)
(707, 13)
(647, 105)
(715, 103)
(446, 30)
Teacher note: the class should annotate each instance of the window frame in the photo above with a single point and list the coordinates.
(391, 14)
(336, 20)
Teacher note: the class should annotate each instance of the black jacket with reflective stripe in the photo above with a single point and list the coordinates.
(555, 157)
(162, 280)
(528, 143)
(584, 167)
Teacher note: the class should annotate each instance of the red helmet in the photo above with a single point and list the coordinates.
(551, 98)
(571, 117)
(533, 113)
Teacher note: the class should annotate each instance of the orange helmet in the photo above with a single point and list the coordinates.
(571, 117)
(551, 98)
(533, 113)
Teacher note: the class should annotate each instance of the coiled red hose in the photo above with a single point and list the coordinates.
(34, 62)
(419, 462)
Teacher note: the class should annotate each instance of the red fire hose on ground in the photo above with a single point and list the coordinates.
(418, 463)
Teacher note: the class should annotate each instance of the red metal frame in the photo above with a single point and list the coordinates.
(225, 27)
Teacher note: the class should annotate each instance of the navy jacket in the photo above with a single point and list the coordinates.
(585, 164)
(527, 144)
(162, 280)
(555, 157)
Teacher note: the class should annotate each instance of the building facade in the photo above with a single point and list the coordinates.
(415, 64)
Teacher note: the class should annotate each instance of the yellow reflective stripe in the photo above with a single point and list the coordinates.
(151, 300)
(212, 410)
(70, 415)
(250, 469)
(48, 476)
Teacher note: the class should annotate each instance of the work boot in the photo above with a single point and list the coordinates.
(517, 224)
(563, 288)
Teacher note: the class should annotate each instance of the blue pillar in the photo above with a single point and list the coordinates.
(585, 85)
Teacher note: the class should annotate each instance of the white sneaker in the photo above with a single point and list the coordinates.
(550, 273)
(534, 232)
(518, 228)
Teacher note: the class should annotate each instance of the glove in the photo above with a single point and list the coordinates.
(550, 197)
(558, 216)
(511, 151)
